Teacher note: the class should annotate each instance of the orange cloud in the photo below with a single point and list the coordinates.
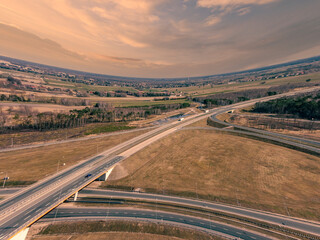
(224, 3)
(157, 37)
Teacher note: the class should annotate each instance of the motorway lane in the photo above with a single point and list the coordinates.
(278, 135)
(9, 226)
(158, 216)
(47, 182)
(28, 191)
(8, 191)
(126, 149)
(277, 219)
(33, 212)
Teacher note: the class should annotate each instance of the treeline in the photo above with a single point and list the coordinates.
(307, 107)
(122, 93)
(222, 99)
(101, 113)
(52, 100)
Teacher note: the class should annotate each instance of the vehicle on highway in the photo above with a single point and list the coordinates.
(88, 175)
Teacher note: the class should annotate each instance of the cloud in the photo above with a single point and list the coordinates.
(220, 8)
(131, 42)
(243, 11)
(16, 42)
(212, 20)
(234, 3)
(159, 38)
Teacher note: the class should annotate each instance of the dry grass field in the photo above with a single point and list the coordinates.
(297, 127)
(209, 90)
(113, 230)
(225, 168)
(106, 235)
(34, 164)
(32, 137)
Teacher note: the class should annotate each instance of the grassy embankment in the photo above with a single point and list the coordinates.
(119, 230)
(29, 137)
(221, 167)
(27, 166)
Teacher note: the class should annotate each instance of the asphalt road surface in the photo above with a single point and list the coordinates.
(303, 141)
(156, 216)
(28, 205)
(8, 191)
(277, 219)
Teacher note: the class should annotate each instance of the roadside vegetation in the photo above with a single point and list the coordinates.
(120, 230)
(22, 119)
(307, 107)
(227, 98)
(24, 167)
(16, 138)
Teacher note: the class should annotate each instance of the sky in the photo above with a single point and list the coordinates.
(160, 38)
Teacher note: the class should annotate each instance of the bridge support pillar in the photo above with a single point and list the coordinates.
(105, 176)
(21, 235)
(75, 196)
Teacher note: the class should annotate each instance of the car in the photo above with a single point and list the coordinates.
(88, 175)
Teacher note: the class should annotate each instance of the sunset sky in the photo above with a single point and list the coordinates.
(160, 38)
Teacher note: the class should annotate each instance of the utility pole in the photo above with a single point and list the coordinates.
(4, 180)
(197, 190)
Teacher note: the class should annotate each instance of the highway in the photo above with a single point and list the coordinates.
(302, 143)
(8, 191)
(263, 132)
(37, 205)
(277, 219)
(26, 206)
(206, 225)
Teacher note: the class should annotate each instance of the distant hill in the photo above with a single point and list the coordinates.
(183, 79)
